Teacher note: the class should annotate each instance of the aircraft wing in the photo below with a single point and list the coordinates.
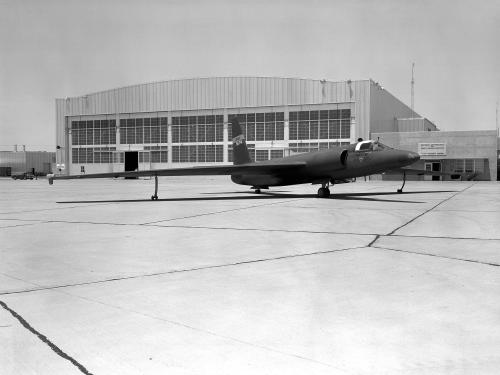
(253, 168)
(420, 172)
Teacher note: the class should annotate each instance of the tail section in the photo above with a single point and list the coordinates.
(240, 150)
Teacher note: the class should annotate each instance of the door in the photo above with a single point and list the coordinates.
(131, 161)
(434, 166)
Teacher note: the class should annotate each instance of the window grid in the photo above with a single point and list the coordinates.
(197, 154)
(93, 132)
(92, 155)
(331, 124)
(314, 146)
(260, 126)
(144, 130)
(197, 129)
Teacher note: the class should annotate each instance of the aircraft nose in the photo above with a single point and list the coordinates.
(413, 156)
(408, 157)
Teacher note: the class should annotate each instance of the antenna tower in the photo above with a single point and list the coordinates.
(412, 87)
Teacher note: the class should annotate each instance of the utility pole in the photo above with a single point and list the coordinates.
(412, 87)
(496, 120)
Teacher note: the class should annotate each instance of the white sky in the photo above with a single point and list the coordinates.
(61, 48)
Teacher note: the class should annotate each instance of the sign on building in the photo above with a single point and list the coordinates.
(432, 149)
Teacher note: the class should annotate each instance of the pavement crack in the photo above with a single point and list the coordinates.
(45, 340)
(244, 262)
(429, 210)
(219, 212)
(258, 229)
(17, 225)
(374, 240)
(437, 256)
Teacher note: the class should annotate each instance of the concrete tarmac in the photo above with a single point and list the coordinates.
(212, 279)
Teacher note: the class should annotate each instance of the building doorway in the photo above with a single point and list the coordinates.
(434, 166)
(131, 161)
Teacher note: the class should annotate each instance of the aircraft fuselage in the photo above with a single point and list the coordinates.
(329, 165)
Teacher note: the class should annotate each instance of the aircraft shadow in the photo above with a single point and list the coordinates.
(269, 195)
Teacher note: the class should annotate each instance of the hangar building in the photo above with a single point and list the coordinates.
(473, 152)
(15, 162)
(184, 122)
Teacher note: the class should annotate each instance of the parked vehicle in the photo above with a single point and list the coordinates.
(23, 176)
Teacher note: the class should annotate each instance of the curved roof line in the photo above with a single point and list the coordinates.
(203, 78)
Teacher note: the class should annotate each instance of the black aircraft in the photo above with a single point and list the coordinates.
(324, 167)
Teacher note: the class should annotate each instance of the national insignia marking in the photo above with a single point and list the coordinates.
(238, 140)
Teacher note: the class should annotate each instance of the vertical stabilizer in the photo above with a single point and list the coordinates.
(240, 150)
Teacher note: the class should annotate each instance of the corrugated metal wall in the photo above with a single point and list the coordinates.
(24, 161)
(385, 108)
(410, 125)
(414, 125)
(15, 160)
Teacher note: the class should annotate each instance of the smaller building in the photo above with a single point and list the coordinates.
(474, 153)
(36, 162)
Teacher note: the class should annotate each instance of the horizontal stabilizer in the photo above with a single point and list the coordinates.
(421, 172)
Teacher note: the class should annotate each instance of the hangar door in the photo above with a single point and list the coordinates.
(131, 161)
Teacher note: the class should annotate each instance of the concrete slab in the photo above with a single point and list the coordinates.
(476, 250)
(460, 224)
(23, 353)
(80, 253)
(214, 280)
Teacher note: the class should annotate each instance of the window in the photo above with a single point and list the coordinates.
(280, 130)
(219, 153)
(331, 124)
(303, 130)
(259, 131)
(260, 126)
(201, 153)
(163, 130)
(261, 155)
(313, 125)
(210, 153)
(469, 165)
(93, 132)
(210, 133)
(276, 154)
(293, 130)
(176, 134)
(345, 128)
(183, 154)
(333, 129)
(269, 132)
(139, 131)
(74, 156)
(192, 154)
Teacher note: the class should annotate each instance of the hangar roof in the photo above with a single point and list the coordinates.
(215, 92)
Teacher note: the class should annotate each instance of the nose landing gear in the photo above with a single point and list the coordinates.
(155, 196)
(404, 180)
(324, 191)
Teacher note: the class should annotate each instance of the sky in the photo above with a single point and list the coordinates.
(63, 48)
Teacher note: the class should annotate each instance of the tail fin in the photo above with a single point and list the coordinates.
(240, 151)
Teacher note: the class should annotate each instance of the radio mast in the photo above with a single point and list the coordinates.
(412, 87)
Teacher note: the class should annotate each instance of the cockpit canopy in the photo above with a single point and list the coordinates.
(370, 146)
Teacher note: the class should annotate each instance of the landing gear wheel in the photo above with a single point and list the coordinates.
(154, 197)
(323, 192)
(257, 191)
